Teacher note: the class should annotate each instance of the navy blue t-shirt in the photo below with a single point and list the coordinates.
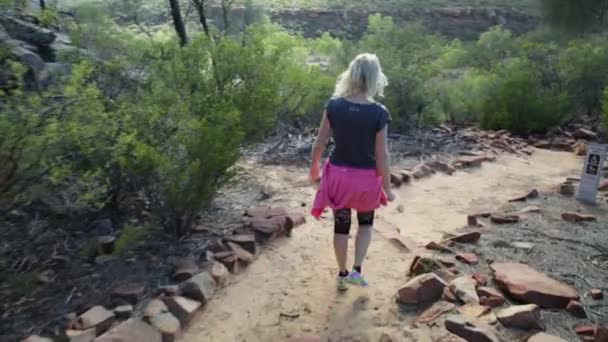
(354, 127)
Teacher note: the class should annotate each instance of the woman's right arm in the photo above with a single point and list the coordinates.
(383, 163)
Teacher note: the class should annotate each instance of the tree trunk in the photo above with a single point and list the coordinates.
(199, 5)
(178, 22)
(225, 9)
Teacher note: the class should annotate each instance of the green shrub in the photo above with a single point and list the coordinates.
(128, 238)
(518, 102)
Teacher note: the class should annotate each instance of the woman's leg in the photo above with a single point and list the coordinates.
(364, 237)
(342, 221)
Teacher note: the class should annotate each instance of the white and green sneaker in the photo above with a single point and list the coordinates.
(342, 283)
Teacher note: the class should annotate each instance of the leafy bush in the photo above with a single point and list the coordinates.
(516, 100)
(583, 67)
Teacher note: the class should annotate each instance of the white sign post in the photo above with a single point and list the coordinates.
(592, 173)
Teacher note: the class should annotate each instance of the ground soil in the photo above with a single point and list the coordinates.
(290, 290)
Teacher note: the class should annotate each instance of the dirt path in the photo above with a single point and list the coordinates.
(290, 290)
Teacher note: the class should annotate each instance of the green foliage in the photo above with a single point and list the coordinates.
(516, 100)
(407, 54)
(583, 67)
(128, 238)
(51, 136)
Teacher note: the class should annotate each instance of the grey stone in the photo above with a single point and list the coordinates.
(102, 227)
(28, 32)
(29, 59)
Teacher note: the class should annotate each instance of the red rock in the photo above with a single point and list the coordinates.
(575, 308)
(265, 212)
(296, 219)
(448, 295)
(241, 253)
(167, 325)
(421, 265)
(464, 289)
(472, 221)
(123, 311)
(597, 294)
(467, 258)
(454, 270)
(527, 285)
(492, 302)
(582, 133)
(601, 334)
(219, 272)
(462, 328)
(81, 335)
(154, 308)
(492, 297)
(567, 189)
(105, 244)
(129, 292)
(97, 317)
(245, 241)
(168, 290)
(201, 288)
(470, 237)
(401, 242)
(435, 311)
(481, 279)
(585, 330)
(396, 179)
(424, 288)
(473, 311)
(525, 317)
(578, 217)
(580, 148)
(422, 171)
(542, 144)
(182, 308)
(469, 162)
(603, 185)
(131, 330)
(447, 262)
(501, 218)
(445, 273)
(437, 246)
(543, 337)
(441, 167)
(532, 194)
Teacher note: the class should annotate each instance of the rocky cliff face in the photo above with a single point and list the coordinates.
(36, 47)
(455, 22)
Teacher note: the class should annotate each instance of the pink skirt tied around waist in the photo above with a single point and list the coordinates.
(346, 187)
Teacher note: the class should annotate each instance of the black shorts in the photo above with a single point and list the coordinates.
(342, 220)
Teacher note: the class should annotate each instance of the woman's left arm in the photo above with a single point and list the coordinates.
(318, 148)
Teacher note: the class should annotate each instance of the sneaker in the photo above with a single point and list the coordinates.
(356, 278)
(342, 283)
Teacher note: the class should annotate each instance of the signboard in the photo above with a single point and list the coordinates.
(592, 173)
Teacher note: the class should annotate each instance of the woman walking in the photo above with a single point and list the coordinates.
(356, 177)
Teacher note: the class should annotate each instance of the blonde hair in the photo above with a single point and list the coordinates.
(363, 77)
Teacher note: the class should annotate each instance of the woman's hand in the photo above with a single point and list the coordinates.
(390, 195)
(314, 173)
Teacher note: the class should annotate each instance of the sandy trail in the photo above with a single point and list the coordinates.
(290, 290)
